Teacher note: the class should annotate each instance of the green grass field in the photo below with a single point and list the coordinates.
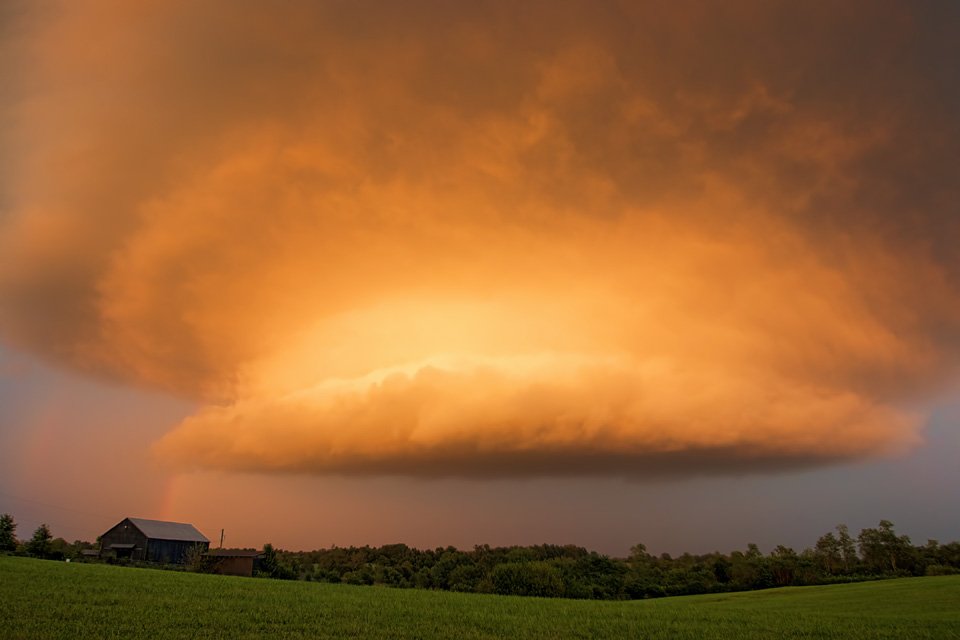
(44, 599)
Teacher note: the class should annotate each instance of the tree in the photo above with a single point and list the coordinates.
(8, 528)
(444, 567)
(466, 577)
(196, 559)
(269, 562)
(536, 578)
(848, 550)
(750, 570)
(39, 544)
(273, 567)
(829, 553)
(883, 551)
(722, 569)
(639, 555)
(59, 549)
(783, 565)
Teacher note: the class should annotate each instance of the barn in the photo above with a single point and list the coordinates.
(152, 541)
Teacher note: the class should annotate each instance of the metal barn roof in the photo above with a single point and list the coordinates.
(162, 530)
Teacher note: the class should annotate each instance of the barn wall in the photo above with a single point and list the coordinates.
(241, 566)
(172, 551)
(124, 533)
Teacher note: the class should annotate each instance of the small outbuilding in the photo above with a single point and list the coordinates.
(152, 541)
(233, 562)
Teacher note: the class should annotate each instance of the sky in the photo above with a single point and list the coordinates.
(586, 273)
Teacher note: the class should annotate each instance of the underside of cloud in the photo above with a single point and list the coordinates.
(492, 241)
(545, 416)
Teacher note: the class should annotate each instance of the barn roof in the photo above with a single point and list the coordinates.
(162, 530)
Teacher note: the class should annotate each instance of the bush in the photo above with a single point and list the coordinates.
(527, 579)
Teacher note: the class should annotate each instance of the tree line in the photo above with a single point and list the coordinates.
(574, 572)
(41, 544)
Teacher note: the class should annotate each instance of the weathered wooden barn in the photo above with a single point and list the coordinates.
(233, 562)
(152, 541)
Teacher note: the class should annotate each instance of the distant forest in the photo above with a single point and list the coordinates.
(574, 572)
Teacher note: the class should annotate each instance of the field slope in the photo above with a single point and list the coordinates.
(40, 599)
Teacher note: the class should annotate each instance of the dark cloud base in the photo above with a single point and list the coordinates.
(720, 461)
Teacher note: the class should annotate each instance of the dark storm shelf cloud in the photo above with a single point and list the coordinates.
(470, 465)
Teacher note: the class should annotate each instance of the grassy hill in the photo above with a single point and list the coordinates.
(44, 599)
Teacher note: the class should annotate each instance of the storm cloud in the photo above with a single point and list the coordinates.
(495, 240)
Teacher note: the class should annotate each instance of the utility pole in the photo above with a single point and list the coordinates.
(221, 538)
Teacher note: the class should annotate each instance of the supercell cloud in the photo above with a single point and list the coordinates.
(489, 240)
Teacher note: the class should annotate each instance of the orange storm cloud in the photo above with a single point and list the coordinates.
(486, 241)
